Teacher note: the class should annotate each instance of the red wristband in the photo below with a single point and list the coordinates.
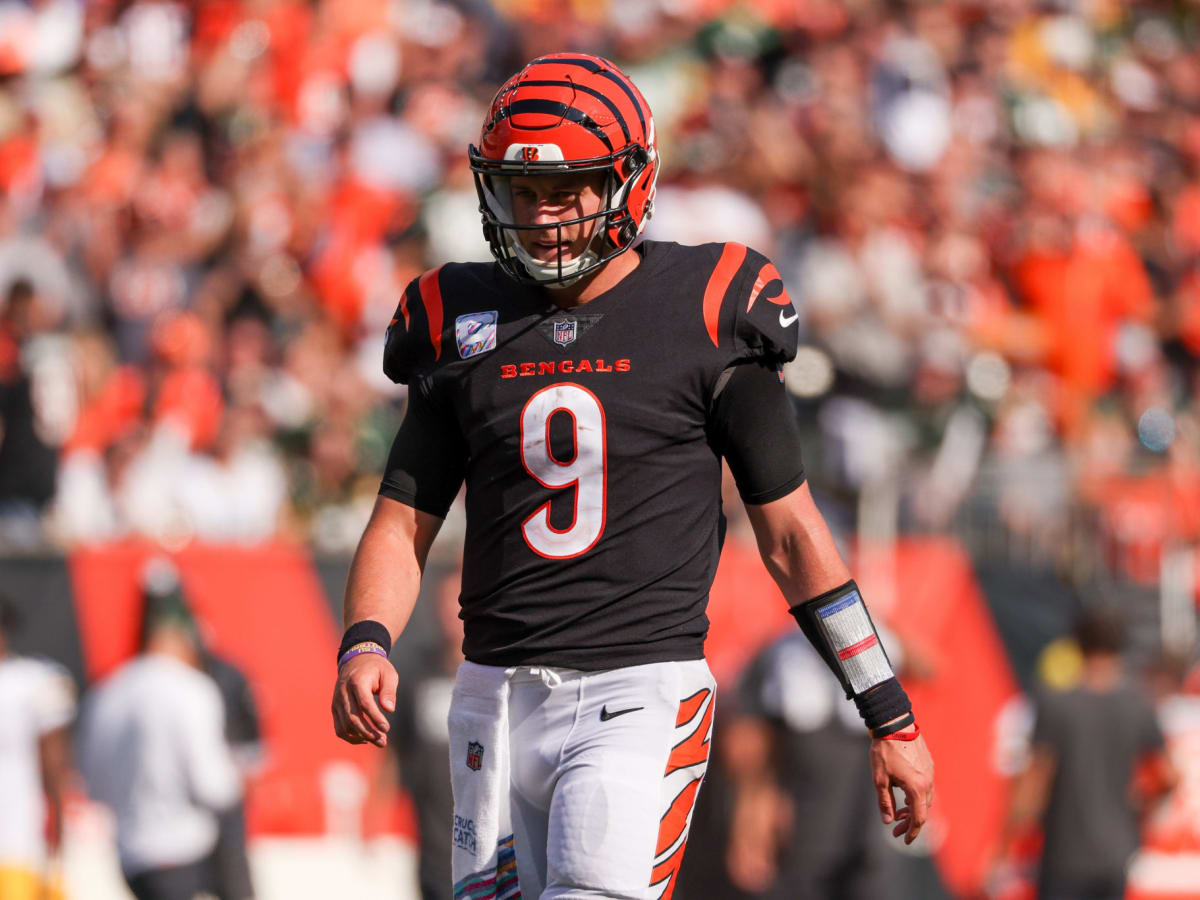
(902, 735)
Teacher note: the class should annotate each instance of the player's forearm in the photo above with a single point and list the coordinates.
(797, 547)
(799, 552)
(383, 583)
(385, 576)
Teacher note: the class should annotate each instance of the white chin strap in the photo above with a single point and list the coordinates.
(550, 271)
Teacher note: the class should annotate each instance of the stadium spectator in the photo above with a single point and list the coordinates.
(37, 705)
(1087, 743)
(153, 749)
(162, 593)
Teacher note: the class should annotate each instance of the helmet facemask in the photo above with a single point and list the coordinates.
(614, 232)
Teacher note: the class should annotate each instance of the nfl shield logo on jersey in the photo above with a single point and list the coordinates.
(474, 755)
(476, 333)
(564, 332)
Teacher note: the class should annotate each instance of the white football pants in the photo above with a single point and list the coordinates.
(604, 772)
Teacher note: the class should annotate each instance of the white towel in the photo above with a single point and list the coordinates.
(483, 860)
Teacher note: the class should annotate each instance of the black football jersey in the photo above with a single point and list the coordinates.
(589, 445)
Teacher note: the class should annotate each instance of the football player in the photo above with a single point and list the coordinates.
(586, 387)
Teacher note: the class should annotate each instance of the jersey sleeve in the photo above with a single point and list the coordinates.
(413, 343)
(428, 459)
(753, 425)
(748, 313)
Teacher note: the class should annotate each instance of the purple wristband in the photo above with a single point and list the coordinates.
(359, 650)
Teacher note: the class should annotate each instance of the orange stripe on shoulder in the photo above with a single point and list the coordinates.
(718, 284)
(767, 274)
(431, 296)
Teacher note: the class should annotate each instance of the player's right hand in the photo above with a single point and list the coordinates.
(908, 766)
(365, 691)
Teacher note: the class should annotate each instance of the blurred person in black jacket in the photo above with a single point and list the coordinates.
(1088, 742)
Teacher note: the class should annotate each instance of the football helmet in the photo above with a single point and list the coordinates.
(567, 112)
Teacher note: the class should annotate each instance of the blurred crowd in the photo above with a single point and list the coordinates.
(988, 213)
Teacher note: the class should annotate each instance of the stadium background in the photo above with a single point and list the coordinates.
(988, 213)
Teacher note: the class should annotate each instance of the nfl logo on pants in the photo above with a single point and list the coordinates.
(474, 755)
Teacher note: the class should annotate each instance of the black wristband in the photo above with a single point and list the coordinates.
(891, 728)
(882, 703)
(366, 630)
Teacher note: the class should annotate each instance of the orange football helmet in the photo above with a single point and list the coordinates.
(567, 112)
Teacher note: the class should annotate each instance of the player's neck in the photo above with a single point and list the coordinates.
(605, 279)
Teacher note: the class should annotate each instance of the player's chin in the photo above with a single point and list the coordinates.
(551, 256)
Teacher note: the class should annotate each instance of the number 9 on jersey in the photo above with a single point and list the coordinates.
(586, 471)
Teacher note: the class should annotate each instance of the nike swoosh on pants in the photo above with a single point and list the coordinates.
(605, 715)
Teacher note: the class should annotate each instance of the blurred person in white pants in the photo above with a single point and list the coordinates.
(153, 750)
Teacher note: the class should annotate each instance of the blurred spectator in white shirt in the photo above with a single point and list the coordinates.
(153, 750)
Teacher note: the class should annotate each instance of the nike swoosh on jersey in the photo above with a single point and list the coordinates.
(786, 320)
(605, 715)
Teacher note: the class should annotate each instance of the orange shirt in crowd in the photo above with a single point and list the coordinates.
(1142, 514)
(1082, 296)
(111, 414)
(190, 396)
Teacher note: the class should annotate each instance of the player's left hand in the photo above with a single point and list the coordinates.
(908, 766)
